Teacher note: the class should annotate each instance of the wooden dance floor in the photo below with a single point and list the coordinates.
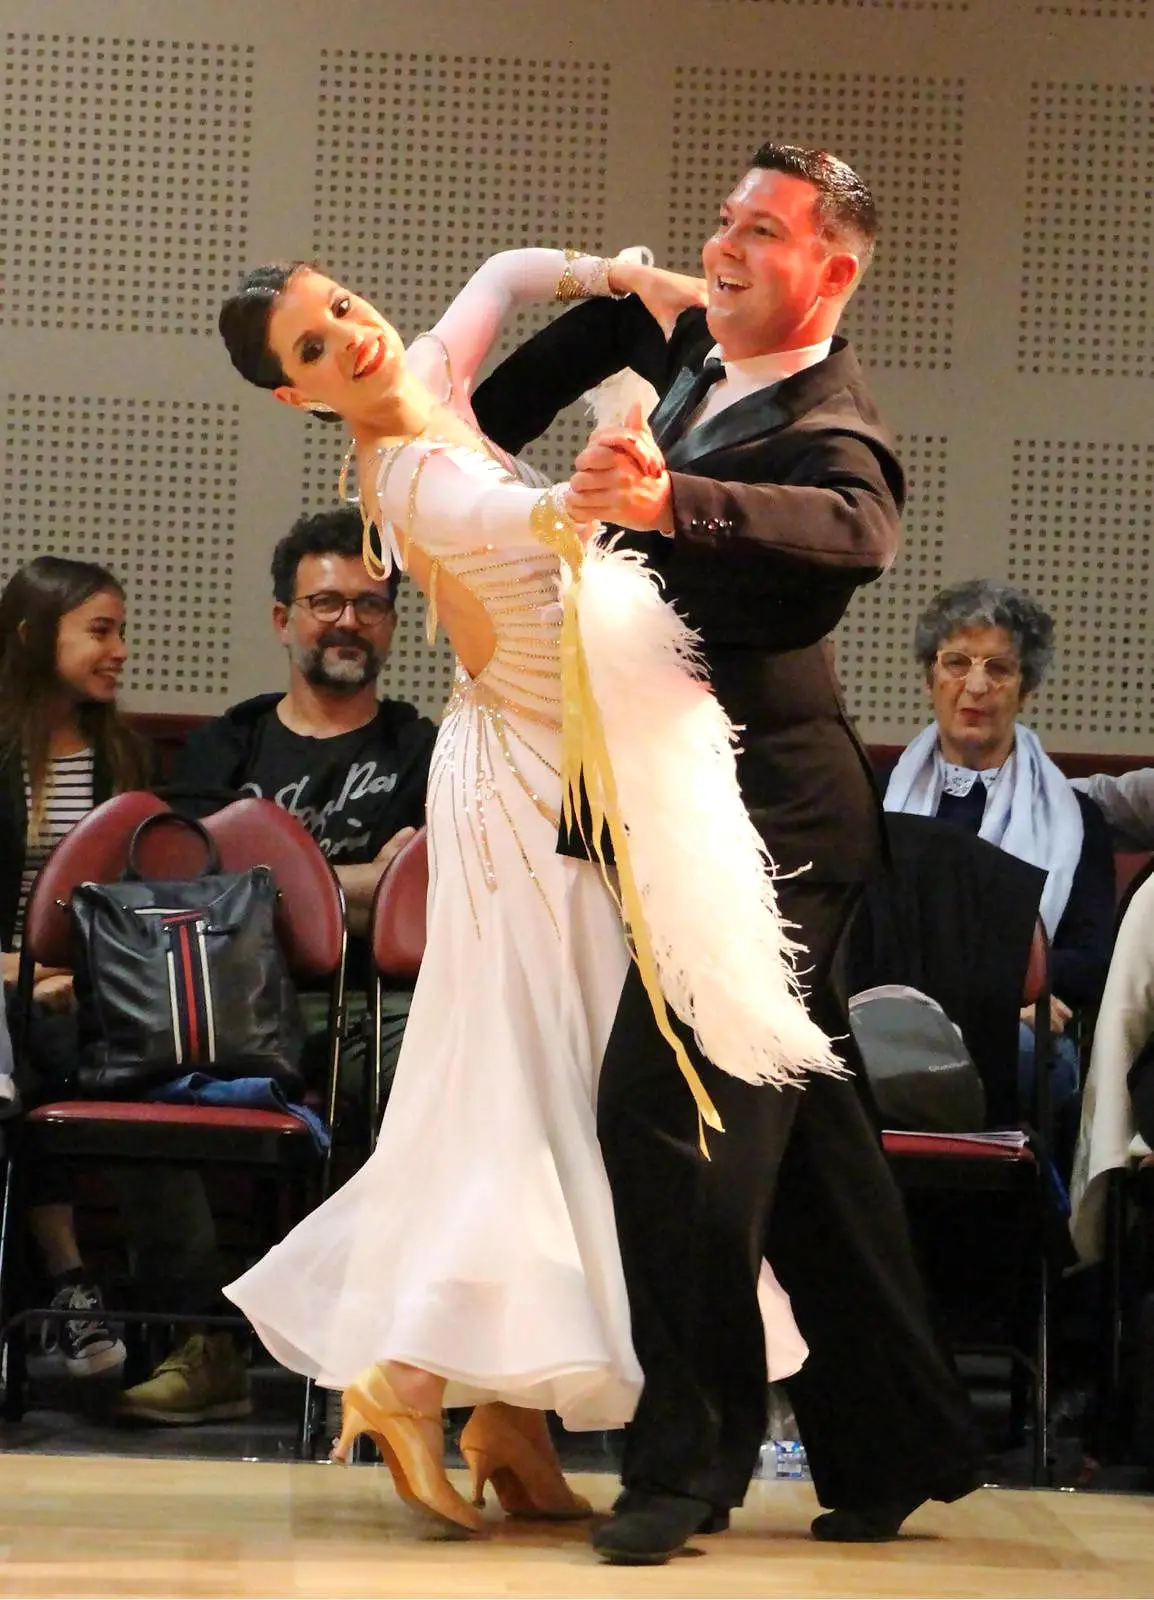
(88, 1525)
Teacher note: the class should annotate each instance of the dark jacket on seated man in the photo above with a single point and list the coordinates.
(352, 791)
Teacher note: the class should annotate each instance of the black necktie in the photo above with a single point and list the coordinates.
(671, 428)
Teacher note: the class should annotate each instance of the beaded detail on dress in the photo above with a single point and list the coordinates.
(509, 715)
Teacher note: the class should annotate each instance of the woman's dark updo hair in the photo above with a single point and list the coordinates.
(244, 320)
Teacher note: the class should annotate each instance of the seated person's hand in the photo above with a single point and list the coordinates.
(359, 880)
(665, 294)
(1060, 1014)
(11, 963)
(620, 477)
(393, 847)
(55, 993)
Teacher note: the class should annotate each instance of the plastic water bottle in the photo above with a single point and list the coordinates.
(789, 1458)
(782, 1454)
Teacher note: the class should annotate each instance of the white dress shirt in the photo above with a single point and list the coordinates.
(754, 373)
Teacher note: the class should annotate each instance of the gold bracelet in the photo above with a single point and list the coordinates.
(596, 283)
(569, 286)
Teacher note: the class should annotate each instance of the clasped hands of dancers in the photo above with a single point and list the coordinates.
(593, 1188)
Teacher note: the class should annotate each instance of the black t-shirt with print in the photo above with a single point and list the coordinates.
(352, 791)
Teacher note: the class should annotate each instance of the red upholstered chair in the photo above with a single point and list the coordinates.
(1131, 869)
(274, 1145)
(397, 927)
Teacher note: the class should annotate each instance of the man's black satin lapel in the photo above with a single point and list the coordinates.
(758, 414)
(667, 408)
(766, 410)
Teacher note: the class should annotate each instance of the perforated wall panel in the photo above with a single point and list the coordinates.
(426, 164)
(875, 641)
(147, 488)
(870, 5)
(903, 133)
(1082, 542)
(1087, 284)
(392, 218)
(1127, 9)
(124, 172)
(151, 151)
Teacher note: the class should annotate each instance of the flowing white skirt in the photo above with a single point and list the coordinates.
(479, 1241)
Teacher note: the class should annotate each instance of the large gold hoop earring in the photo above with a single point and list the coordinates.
(343, 494)
(374, 564)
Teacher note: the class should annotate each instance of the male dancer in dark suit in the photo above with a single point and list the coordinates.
(766, 500)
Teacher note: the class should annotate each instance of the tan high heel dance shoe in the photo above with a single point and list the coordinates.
(509, 1447)
(369, 1405)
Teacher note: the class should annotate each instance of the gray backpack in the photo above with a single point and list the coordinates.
(922, 1076)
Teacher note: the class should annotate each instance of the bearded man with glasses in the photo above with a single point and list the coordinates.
(348, 762)
(352, 766)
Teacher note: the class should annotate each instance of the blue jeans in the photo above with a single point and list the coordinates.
(1064, 1077)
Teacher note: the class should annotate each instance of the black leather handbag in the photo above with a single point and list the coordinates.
(182, 976)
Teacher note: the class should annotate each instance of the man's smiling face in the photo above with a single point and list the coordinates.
(773, 277)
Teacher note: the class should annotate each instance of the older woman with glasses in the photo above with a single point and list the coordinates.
(984, 648)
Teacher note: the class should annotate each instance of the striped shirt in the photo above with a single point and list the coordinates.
(69, 783)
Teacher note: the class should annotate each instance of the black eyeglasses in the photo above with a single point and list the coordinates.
(329, 606)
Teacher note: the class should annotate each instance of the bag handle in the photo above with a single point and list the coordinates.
(132, 871)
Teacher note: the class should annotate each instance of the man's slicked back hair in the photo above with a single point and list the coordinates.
(844, 207)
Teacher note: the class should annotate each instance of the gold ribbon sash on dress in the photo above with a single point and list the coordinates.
(585, 763)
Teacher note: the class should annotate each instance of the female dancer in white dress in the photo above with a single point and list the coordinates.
(473, 1259)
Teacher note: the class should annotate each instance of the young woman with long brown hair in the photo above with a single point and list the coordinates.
(64, 747)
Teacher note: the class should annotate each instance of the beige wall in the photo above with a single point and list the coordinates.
(152, 149)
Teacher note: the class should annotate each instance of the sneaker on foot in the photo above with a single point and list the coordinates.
(205, 1380)
(86, 1343)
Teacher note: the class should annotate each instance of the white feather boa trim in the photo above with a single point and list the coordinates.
(704, 877)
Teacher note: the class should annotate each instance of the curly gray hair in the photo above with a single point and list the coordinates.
(988, 603)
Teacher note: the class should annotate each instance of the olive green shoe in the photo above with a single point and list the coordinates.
(205, 1380)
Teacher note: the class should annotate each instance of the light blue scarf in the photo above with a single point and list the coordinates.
(1031, 811)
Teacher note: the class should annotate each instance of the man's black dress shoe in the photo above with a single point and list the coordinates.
(874, 1526)
(647, 1528)
(877, 1524)
(717, 1520)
